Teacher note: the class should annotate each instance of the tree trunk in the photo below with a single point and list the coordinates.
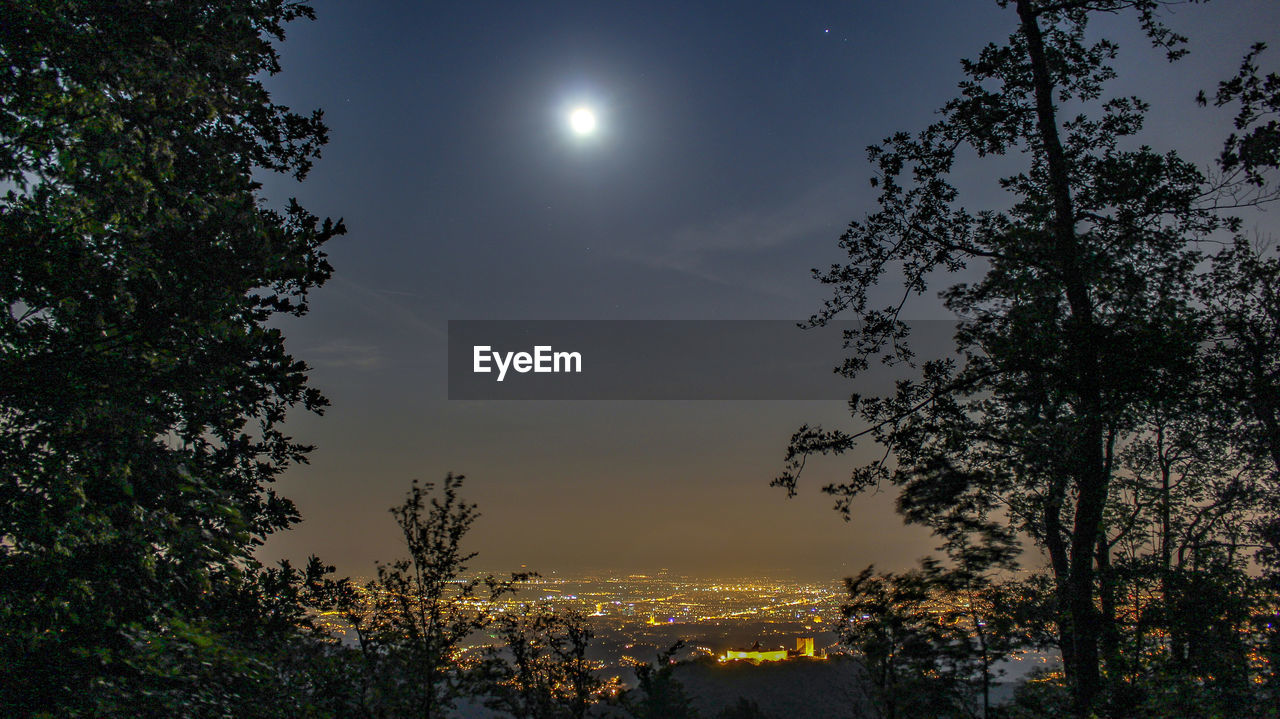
(1177, 644)
(1087, 465)
(1054, 540)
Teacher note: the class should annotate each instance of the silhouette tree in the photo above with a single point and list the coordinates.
(658, 693)
(141, 389)
(411, 621)
(1085, 317)
(889, 624)
(540, 671)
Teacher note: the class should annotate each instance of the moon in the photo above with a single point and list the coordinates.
(582, 120)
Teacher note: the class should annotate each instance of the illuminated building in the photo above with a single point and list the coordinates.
(804, 648)
(754, 654)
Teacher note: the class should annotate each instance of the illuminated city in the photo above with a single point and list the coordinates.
(634, 617)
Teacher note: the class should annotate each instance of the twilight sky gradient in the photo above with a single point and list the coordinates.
(728, 160)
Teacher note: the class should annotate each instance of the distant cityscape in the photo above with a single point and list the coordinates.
(634, 617)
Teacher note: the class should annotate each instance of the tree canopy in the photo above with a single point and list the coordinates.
(1110, 293)
(142, 389)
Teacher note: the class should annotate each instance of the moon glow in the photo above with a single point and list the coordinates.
(582, 121)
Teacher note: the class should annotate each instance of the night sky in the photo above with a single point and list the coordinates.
(728, 157)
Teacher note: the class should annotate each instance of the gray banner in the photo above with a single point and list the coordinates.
(665, 359)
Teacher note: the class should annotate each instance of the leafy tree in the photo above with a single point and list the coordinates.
(888, 621)
(541, 670)
(658, 693)
(141, 390)
(1174, 584)
(411, 622)
(1084, 326)
(932, 637)
(1242, 291)
(985, 621)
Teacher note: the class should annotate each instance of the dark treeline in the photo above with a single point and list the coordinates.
(1115, 407)
(1112, 409)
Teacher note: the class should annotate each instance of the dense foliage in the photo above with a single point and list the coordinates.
(141, 390)
(1112, 397)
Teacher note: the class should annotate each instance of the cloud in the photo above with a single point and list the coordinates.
(740, 248)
